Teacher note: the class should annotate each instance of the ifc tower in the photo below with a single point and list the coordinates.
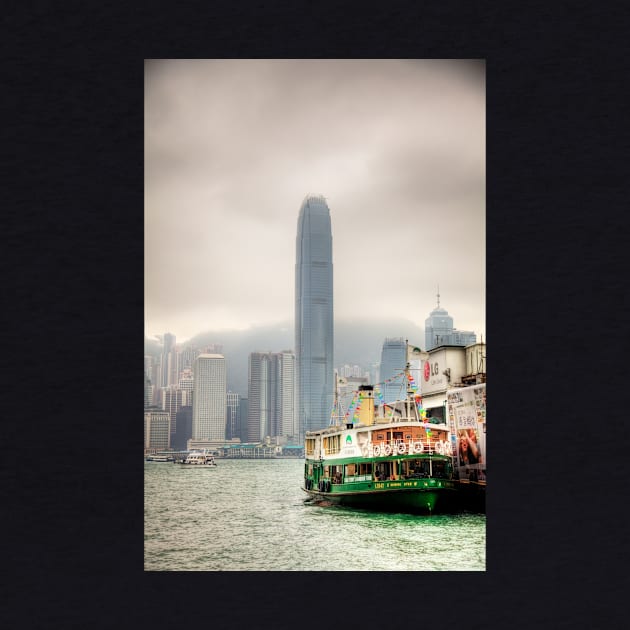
(314, 315)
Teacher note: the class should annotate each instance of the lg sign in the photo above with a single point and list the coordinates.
(430, 370)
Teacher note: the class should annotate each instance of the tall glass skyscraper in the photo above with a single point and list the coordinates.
(314, 315)
(393, 362)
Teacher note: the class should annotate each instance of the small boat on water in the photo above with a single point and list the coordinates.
(198, 458)
(396, 461)
(159, 458)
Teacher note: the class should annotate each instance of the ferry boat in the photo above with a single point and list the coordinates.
(391, 459)
(158, 457)
(198, 458)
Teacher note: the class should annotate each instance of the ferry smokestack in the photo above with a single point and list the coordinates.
(366, 413)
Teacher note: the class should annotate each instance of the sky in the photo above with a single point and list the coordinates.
(232, 148)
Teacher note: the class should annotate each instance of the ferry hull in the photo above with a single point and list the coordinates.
(417, 496)
(429, 500)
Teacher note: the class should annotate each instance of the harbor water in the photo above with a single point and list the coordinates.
(251, 515)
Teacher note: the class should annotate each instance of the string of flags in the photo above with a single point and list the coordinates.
(358, 396)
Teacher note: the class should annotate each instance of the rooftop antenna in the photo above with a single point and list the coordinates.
(438, 296)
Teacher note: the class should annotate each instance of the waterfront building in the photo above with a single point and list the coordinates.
(183, 432)
(447, 367)
(157, 429)
(243, 411)
(439, 330)
(209, 397)
(393, 361)
(211, 445)
(232, 428)
(314, 315)
(271, 395)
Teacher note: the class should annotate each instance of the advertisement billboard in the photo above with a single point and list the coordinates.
(466, 410)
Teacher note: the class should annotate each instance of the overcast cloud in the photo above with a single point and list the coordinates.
(232, 147)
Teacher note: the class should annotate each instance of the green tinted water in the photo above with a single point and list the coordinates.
(251, 515)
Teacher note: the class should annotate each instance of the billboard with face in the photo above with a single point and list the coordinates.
(466, 409)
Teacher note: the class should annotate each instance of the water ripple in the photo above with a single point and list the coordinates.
(251, 515)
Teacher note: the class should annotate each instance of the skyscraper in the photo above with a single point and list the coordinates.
(209, 397)
(183, 432)
(314, 315)
(271, 395)
(258, 395)
(231, 426)
(439, 331)
(283, 401)
(168, 361)
(393, 362)
(173, 400)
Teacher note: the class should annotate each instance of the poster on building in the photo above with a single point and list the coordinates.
(466, 408)
(415, 356)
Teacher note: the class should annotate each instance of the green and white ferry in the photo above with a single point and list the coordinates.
(391, 459)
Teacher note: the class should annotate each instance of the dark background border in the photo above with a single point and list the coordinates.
(556, 313)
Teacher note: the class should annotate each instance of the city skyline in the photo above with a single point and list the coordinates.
(397, 148)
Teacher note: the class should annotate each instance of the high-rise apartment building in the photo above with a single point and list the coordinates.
(209, 397)
(393, 361)
(157, 429)
(439, 330)
(271, 396)
(314, 315)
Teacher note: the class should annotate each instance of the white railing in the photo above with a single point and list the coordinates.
(409, 447)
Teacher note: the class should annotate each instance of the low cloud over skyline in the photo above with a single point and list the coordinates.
(232, 147)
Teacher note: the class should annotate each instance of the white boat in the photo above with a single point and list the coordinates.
(159, 458)
(199, 458)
